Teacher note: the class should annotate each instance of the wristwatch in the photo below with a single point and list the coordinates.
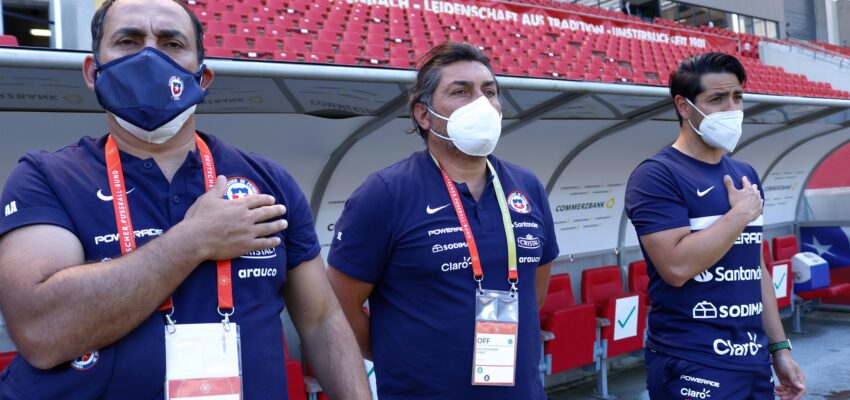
(774, 347)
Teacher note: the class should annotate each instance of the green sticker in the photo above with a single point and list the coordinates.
(510, 341)
(480, 370)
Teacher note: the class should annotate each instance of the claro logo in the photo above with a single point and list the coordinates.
(725, 347)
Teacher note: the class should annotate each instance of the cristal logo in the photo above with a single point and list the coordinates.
(706, 393)
(725, 347)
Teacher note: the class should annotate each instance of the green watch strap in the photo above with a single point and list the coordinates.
(774, 347)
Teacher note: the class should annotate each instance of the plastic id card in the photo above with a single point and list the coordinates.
(496, 327)
(202, 362)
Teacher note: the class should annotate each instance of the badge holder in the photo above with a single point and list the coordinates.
(203, 361)
(496, 328)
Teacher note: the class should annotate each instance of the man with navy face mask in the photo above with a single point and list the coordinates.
(154, 262)
(714, 328)
(451, 246)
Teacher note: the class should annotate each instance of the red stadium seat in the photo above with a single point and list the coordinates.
(573, 326)
(785, 247)
(6, 359)
(603, 287)
(638, 279)
(219, 52)
(765, 252)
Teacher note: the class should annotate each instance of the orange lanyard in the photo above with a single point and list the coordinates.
(125, 223)
(477, 271)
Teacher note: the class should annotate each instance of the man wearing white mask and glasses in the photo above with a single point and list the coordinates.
(153, 262)
(714, 328)
(451, 246)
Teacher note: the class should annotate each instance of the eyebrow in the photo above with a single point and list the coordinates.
(162, 33)
(726, 93)
(467, 83)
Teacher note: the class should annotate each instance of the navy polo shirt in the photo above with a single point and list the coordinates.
(400, 232)
(715, 318)
(69, 188)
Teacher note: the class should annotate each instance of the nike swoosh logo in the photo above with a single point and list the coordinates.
(430, 210)
(104, 197)
(704, 192)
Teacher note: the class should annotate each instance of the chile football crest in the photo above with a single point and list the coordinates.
(176, 86)
(85, 362)
(518, 202)
(238, 187)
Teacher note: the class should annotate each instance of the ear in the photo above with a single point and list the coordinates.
(682, 107)
(420, 113)
(88, 71)
(207, 78)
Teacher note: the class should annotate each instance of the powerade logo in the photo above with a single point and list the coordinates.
(138, 234)
(722, 274)
(701, 381)
(749, 238)
(725, 347)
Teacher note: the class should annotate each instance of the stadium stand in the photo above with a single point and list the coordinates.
(337, 32)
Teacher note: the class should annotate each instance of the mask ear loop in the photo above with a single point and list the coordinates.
(699, 111)
(441, 117)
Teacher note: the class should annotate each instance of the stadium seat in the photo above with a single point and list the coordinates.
(602, 287)
(638, 279)
(621, 317)
(6, 359)
(573, 326)
(784, 248)
(765, 252)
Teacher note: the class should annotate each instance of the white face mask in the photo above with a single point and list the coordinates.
(720, 130)
(474, 128)
(159, 135)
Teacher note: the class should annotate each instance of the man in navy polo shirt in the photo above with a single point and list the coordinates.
(714, 328)
(90, 323)
(400, 244)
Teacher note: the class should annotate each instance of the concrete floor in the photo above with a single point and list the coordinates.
(823, 353)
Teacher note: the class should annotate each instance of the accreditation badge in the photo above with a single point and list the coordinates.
(496, 327)
(203, 362)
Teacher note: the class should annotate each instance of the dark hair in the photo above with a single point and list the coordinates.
(100, 17)
(686, 80)
(429, 75)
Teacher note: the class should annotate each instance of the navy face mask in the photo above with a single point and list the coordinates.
(150, 95)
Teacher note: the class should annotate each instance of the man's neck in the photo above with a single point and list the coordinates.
(691, 144)
(460, 167)
(169, 156)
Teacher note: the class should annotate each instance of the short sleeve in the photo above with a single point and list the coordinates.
(550, 246)
(654, 202)
(363, 234)
(300, 239)
(28, 199)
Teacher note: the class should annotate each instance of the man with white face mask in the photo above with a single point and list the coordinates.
(714, 328)
(437, 240)
(153, 262)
